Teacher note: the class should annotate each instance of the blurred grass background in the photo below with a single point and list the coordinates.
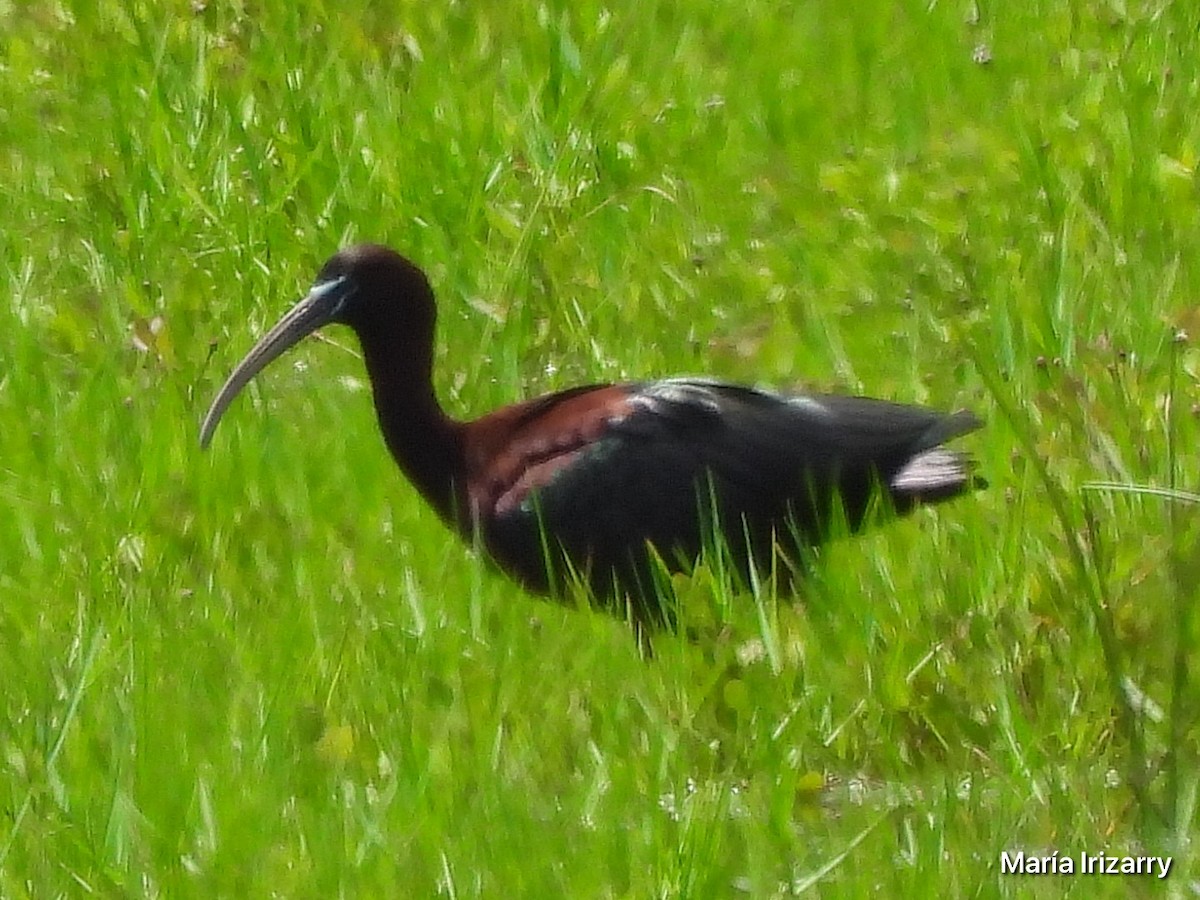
(267, 670)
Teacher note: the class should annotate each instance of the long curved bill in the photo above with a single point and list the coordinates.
(320, 307)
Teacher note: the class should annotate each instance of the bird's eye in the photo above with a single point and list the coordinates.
(332, 293)
(326, 280)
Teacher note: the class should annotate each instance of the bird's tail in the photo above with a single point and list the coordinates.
(935, 475)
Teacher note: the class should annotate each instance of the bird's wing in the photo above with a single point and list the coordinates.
(767, 442)
(605, 468)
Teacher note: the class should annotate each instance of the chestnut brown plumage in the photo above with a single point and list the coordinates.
(587, 480)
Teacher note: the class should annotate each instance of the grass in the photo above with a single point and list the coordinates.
(268, 670)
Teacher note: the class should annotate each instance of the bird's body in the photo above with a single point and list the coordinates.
(597, 481)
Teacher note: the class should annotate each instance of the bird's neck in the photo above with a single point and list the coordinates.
(424, 441)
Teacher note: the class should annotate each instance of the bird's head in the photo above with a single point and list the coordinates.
(368, 287)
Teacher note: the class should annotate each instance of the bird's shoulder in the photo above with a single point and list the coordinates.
(516, 448)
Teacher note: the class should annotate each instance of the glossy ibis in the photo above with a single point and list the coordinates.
(583, 482)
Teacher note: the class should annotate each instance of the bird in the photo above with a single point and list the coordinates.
(606, 486)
